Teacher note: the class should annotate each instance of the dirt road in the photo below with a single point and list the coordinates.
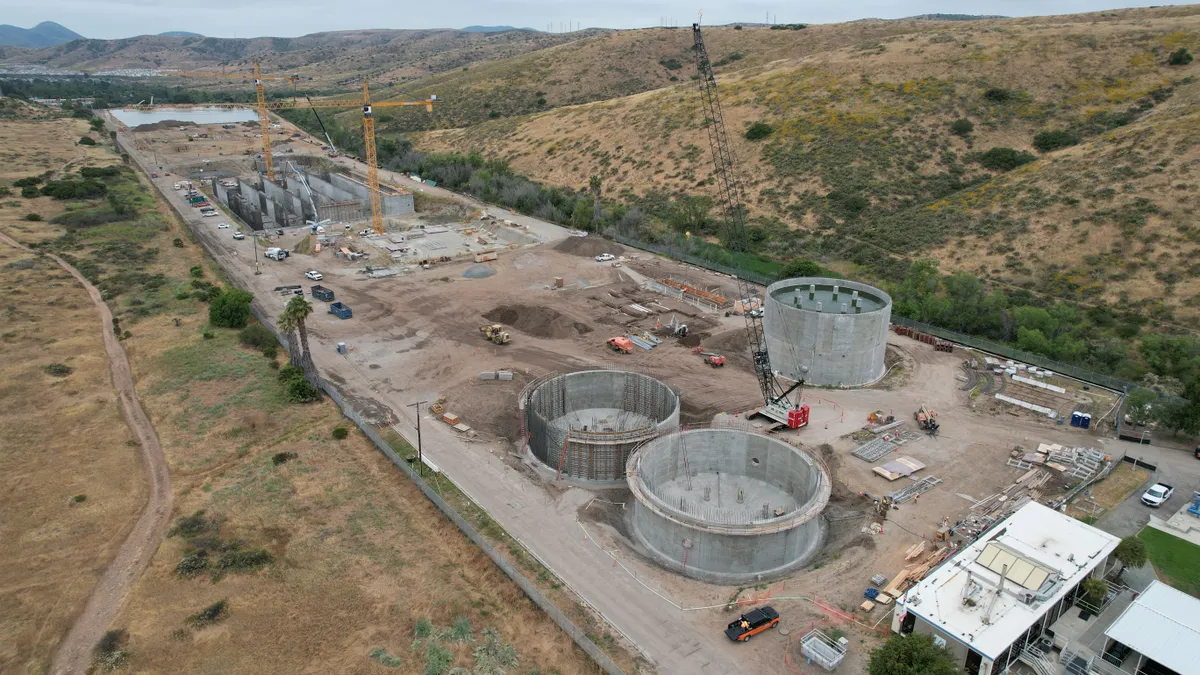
(75, 653)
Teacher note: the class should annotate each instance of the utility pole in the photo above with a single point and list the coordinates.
(257, 267)
(420, 457)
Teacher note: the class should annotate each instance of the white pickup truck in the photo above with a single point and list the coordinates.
(1157, 494)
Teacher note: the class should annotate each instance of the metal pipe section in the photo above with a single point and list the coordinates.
(587, 424)
(834, 327)
(727, 506)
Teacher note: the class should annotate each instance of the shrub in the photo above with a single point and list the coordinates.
(100, 171)
(423, 628)
(962, 126)
(340, 433)
(801, 268)
(5, 191)
(283, 457)
(192, 564)
(257, 336)
(1004, 159)
(1179, 57)
(998, 95)
(270, 351)
(244, 561)
(177, 242)
(670, 64)
(58, 370)
(192, 526)
(86, 188)
(541, 101)
(1048, 141)
(79, 499)
(381, 656)
(29, 192)
(298, 390)
(109, 654)
(28, 181)
(759, 131)
(214, 613)
(33, 217)
(87, 140)
(208, 335)
(230, 309)
(290, 372)
(196, 272)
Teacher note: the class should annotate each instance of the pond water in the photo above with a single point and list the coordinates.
(135, 118)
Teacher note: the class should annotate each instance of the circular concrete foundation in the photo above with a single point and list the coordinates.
(587, 424)
(727, 506)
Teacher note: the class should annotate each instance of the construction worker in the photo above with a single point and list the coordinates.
(745, 624)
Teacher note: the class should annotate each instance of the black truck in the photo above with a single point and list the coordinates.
(752, 623)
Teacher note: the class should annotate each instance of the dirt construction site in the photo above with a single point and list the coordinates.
(414, 340)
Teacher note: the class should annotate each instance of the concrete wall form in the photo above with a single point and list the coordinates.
(733, 544)
(838, 349)
(595, 455)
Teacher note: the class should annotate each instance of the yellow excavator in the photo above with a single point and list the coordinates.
(495, 333)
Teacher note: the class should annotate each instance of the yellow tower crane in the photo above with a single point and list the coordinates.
(264, 121)
(368, 128)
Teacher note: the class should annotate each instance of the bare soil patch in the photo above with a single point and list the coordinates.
(588, 246)
(538, 321)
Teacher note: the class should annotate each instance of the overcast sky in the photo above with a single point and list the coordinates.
(287, 18)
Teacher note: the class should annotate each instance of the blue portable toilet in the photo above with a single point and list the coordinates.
(1076, 419)
(1086, 421)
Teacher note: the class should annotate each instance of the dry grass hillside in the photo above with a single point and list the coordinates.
(863, 162)
(325, 60)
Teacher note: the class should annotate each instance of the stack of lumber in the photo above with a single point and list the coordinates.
(910, 575)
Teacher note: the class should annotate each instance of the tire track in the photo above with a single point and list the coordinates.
(74, 654)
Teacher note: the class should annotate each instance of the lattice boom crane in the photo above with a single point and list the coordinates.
(777, 404)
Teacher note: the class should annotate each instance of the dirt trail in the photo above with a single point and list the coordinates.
(75, 653)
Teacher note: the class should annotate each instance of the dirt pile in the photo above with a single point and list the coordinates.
(165, 124)
(588, 246)
(537, 321)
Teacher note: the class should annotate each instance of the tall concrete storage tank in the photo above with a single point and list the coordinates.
(836, 328)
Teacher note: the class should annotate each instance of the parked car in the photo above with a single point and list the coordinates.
(239, 235)
(1157, 494)
(752, 623)
(222, 226)
(209, 214)
(605, 257)
(314, 275)
(756, 313)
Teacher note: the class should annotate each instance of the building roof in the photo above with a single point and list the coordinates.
(1164, 624)
(1042, 554)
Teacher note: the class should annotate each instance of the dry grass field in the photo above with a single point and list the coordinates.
(862, 163)
(357, 564)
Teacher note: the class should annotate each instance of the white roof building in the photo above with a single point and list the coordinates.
(1163, 625)
(1004, 588)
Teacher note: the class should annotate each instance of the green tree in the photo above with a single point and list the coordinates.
(801, 268)
(581, 217)
(1056, 139)
(1137, 406)
(911, 655)
(596, 186)
(1180, 57)
(962, 126)
(1004, 159)
(230, 309)
(87, 140)
(690, 214)
(291, 321)
(1033, 340)
(1131, 552)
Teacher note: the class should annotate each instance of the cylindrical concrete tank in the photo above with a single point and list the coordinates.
(727, 506)
(836, 328)
(597, 417)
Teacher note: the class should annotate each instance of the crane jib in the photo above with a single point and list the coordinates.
(773, 392)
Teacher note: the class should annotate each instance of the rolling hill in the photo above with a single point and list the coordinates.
(863, 170)
(45, 34)
(334, 60)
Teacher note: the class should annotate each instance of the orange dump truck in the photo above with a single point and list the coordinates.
(621, 344)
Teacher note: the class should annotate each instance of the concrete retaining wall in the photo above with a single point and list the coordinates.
(837, 349)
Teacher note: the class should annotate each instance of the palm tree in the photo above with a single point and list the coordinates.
(292, 321)
(595, 184)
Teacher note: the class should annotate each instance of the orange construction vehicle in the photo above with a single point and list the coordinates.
(714, 360)
(620, 344)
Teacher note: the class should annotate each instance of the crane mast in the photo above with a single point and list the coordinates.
(775, 396)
